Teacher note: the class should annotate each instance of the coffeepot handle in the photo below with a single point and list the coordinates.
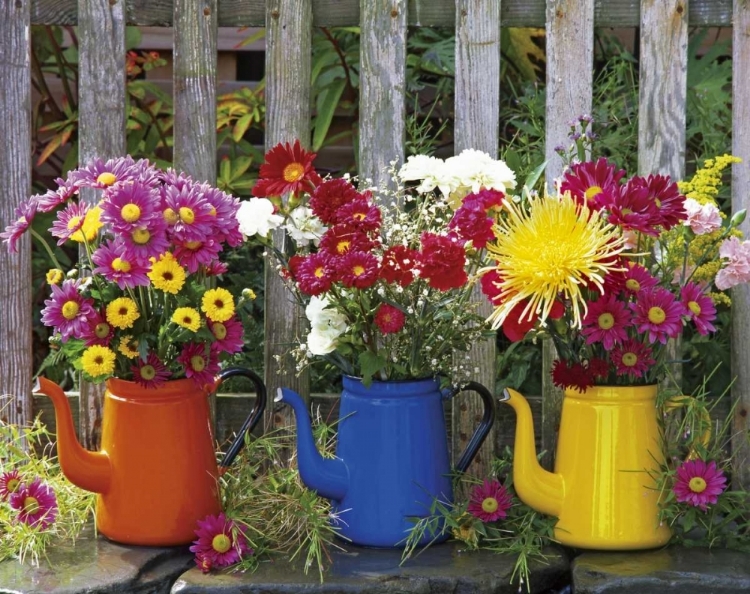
(252, 419)
(488, 418)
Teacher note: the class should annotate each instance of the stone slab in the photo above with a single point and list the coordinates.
(673, 569)
(95, 565)
(444, 568)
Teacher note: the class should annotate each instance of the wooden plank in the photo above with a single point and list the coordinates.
(477, 126)
(194, 77)
(741, 200)
(570, 59)
(426, 13)
(101, 132)
(663, 87)
(382, 84)
(288, 71)
(16, 364)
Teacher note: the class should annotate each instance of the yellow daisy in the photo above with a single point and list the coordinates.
(90, 227)
(187, 317)
(167, 274)
(98, 360)
(55, 276)
(128, 346)
(218, 305)
(553, 247)
(122, 312)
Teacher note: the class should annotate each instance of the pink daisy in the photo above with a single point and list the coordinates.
(592, 183)
(24, 216)
(129, 206)
(359, 214)
(489, 501)
(150, 373)
(638, 279)
(606, 322)
(313, 274)
(357, 269)
(633, 209)
(225, 207)
(192, 255)
(10, 482)
(69, 221)
(36, 504)
(148, 241)
(98, 331)
(699, 484)
(331, 195)
(51, 199)
(389, 319)
(699, 307)
(220, 543)
(663, 192)
(68, 312)
(227, 336)
(101, 174)
(199, 363)
(398, 265)
(632, 357)
(659, 313)
(189, 214)
(117, 265)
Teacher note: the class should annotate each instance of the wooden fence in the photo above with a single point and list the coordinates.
(384, 24)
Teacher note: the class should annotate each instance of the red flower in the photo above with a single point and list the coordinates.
(488, 282)
(357, 269)
(389, 319)
(632, 358)
(567, 374)
(342, 239)
(360, 214)
(663, 192)
(598, 368)
(658, 312)
(331, 195)
(485, 200)
(699, 484)
(314, 274)
(287, 169)
(489, 501)
(591, 183)
(473, 224)
(606, 322)
(442, 260)
(398, 265)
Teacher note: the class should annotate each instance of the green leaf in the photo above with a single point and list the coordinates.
(370, 363)
(328, 99)
(241, 126)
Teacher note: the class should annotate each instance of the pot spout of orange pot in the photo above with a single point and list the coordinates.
(88, 470)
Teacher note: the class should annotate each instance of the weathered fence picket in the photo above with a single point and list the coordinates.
(569, 27)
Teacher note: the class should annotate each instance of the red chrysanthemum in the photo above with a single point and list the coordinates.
(472, 224)
(220, 543)
(341, 239)
(357, 269)
(331, 195)
(389, 319)
(592, 183)
(398, 265)
(571, 375)
(699, 484)
(442, 260)
(314, 274)
(598, 368)
(632, 357)
(658, 313)
(606, 322)
(287, 169)
(360, 214)
(699, 308)
(489, 282)
(485, 200)
(489, 501)
(663, 192)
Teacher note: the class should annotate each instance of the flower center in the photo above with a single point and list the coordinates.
(193, 245)
(74, 222)
(221, 543)
(131, 213)
(13, 485)
(30, 505)
(358, 270)
(170, 216)
(101, 330)
(694, 307)
(592, 191)
(697, 484)
(197, 363)
(187, 215)
(606, 321)
(141, 236)
(148, 372)
(359, 216)
(656, 315)
(70, 310)
(106, 178)
(342, 246)
(629, 359)
(633, 285)
(489, 505)
(219, 330)
(120, 265)
(319, 272)
(293, 172)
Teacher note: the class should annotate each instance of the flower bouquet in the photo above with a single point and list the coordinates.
(137, 304)
(385, 276)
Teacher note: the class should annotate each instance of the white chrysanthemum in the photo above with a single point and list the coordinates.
(305, 227)
(430, 171)
(475, 171)
(256, 217)
(326, 325)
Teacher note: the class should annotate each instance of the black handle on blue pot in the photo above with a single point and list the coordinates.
(252, 419)
(488, 418)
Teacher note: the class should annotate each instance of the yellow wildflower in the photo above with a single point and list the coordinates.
(218, 305)
(98, 360)
(167, 275)
(122, 312)
(187, 317)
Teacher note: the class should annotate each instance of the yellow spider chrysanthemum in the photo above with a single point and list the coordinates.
(552, 248)
(122, 312)
(167, 275)
(218, 305)
(128, 346)
(91, 225)
(98, 360)
(187, 317)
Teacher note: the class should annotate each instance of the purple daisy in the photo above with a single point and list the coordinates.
(658, 313)
(225, 207)
(194, 254)
(606, 322)
(149, 241)
(117, 265)
(632, 357)
(51, 199)
(638, 279)
(10, 482)
(220, 543)
(199, 363)
(175, 179)
(188, 213)
(227, 335)
(150, 373)
(101, 174)
(68, 312)
(69, 221)
(699, 484)
(36, 504)
(489, 501)
(24, 214)
(699, 307)
(129, 206)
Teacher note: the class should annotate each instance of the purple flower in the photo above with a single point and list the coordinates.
(117, 265)
(101, 174)
(189, 215)
(36, 504)
(24, 216)
(129, 206)
(68, 312)
(220, 543)
(699, 484)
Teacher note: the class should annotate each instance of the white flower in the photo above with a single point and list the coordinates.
(320, 342)
(326, 325)
(256, 217)
(305, 227)
(475, 171)
(431, 171)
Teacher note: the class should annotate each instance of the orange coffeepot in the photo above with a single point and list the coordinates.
(156, 474)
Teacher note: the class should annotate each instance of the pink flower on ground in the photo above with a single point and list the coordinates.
(36, 504)
(699, 307)
(737, 270)
(702, 218)
(699, 484)
(658, 313)
(10, 482)
(220, 543)
(606, 322)
(489, 501)
(389, 319)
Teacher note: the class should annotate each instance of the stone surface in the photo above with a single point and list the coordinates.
(442, 568)
(674, 569)
(96, 566)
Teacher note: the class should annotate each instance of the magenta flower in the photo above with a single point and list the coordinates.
(51, 199)
(116, 264)
(658, 312)
(663, 192)
(24, 216)
(638, 279)
(98, 331)
(341, 239)
(632, 208)
(150, 373)
(314, 274)
(329, 196)
(189, 214)
(606, 322)
(36, 504)
(592, 183)
(227, 335)
(199, 363)
(146, 242)
(101, 174)
(10, 482)
(389, 319)
(68, 312)
(220, 543)
(69, 221)
(360, 214)
(357, 269)
(194, 254)
(632, 357)
(225, 207)
(489, 501)
(129, 206)
(699, 484)
(700, 308)
(471, 223)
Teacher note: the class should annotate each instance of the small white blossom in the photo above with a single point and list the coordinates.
(305, 227)
(256, 217)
